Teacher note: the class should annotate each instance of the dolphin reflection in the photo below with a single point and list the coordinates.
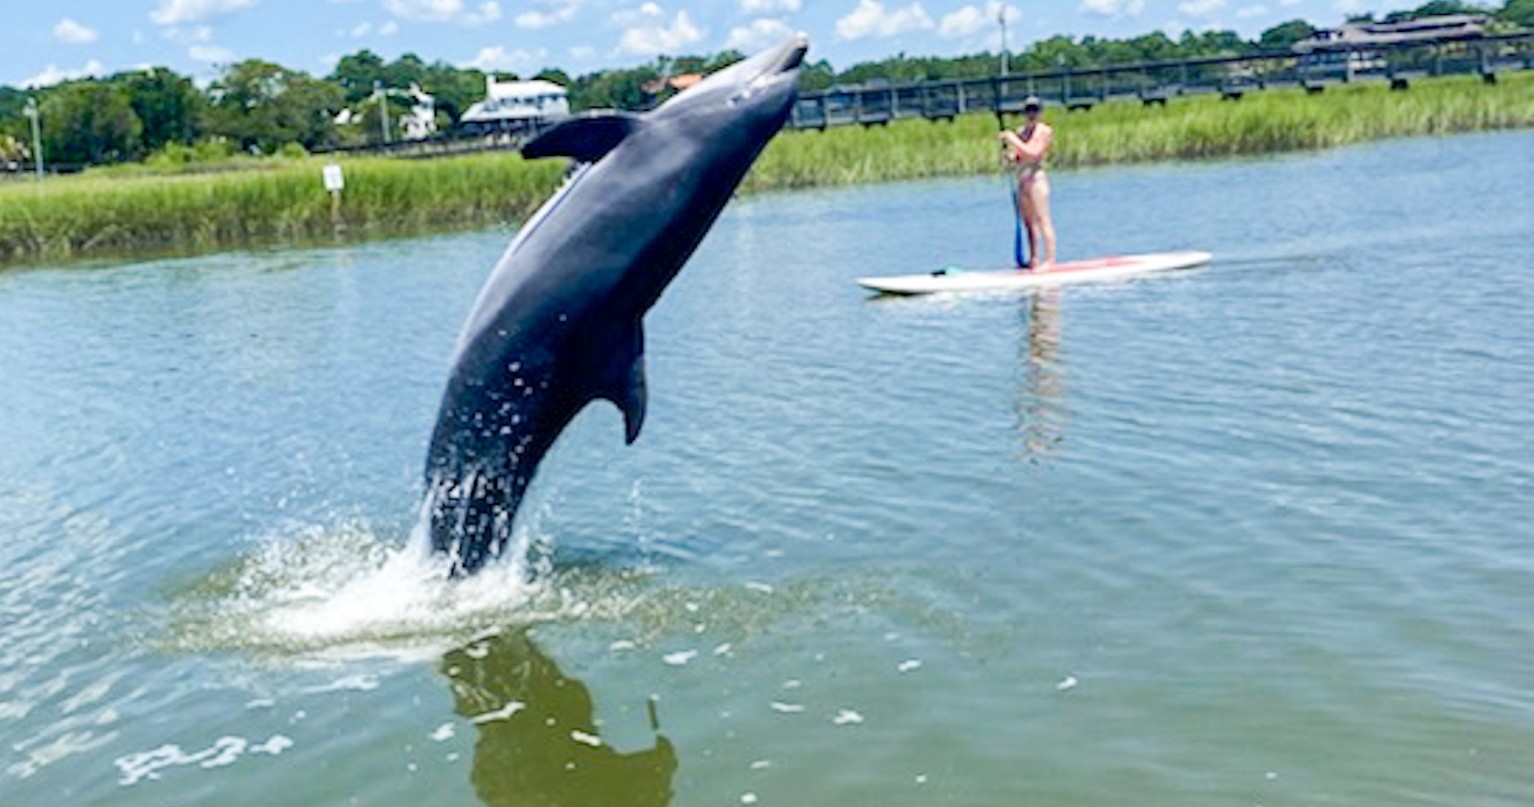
(537, 738)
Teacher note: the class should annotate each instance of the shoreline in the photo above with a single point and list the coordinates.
(138, 213)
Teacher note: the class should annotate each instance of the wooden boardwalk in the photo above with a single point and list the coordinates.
(1152, 83)
(876, 103)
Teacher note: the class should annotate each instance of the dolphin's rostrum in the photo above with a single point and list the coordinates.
(558, 323)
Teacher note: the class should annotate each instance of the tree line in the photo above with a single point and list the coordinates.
(258, 107)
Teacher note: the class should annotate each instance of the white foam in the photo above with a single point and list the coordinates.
(499, 714)
(847, 717)
(347, 591)
(225, 751)
(680, 657)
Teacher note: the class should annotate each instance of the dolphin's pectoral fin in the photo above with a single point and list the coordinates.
(585, 139)
(624, 384)
(635, 396)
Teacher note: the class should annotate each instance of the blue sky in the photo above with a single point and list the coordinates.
(67, 38)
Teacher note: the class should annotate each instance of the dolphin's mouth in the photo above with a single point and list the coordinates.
(793, 53)
(772, 69)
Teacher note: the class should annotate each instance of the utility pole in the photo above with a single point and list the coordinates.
(37, 135)
(383, 107)
(1001, 17)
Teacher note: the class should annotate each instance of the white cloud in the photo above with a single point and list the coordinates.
(583, 53)
(445, 11)
(770, 6)
(1251, 11)
(870, 19)
(212, 54)
(359, 30)
(645, 14)
(389, 28)
(496, 59)
(174, 12)
(188, 36)
(1200, 8)
(73, 32)
(535, 19)
(648, 33)
(1113, 8)
(54, 74)
(972, 20)
(758, 35)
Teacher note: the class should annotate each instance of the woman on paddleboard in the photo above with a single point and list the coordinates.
(1027, 148)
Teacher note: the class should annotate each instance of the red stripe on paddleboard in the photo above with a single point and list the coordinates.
(1112, 262)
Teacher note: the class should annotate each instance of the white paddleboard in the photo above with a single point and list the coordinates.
(1096, 269)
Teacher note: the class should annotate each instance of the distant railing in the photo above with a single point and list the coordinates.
(450, 143)
(1081, 88)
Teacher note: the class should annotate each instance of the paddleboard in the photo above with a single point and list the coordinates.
(1096, 269)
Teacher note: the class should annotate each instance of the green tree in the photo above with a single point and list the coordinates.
(262, 106)
(1518, 12)
(90, 123)
(1284, 35)
(455, 89)
(356, 73)
(1435, 8)
(12, 102)
(169, 105)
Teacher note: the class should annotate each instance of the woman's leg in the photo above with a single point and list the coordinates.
(1025, 211)
(1038, 202)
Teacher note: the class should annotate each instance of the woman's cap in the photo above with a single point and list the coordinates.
(1032, 102)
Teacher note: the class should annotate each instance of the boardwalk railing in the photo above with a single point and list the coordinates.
(879, 102)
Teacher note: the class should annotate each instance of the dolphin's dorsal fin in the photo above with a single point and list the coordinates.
(585, 139)
(624, 383)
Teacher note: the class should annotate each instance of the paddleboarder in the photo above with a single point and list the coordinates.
(1027, 148)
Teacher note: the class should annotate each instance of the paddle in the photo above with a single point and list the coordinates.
(1017, 231)
(1017, 217)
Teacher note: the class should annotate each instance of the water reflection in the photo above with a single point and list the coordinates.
(538, 742)
(1042, 413)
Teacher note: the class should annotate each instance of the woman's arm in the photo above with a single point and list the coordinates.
(1034, 148)
(1013, 143)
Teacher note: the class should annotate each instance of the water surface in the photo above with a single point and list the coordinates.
(1253, 534)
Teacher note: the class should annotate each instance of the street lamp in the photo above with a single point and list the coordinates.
(37, 135)
(383, 107)
(1001, 17)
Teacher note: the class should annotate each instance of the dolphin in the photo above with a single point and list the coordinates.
(558, 323)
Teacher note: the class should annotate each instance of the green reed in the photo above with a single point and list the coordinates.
(113, 212)
(139, 209)
(1194, 127)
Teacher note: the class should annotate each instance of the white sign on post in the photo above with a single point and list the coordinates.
(334, 182)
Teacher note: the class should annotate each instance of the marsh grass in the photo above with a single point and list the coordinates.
(1188, 128)
(282, 201)
(112, 213)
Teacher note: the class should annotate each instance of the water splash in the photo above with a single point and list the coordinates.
(347, 590)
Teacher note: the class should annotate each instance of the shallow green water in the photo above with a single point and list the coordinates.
(1255, 534)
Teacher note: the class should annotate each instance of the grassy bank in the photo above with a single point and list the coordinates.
(120, 212)
(282, 201)
(1187, 128)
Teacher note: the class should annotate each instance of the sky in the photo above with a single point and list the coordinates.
(63, 39)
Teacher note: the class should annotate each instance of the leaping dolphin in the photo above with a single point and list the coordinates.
(557, 325)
